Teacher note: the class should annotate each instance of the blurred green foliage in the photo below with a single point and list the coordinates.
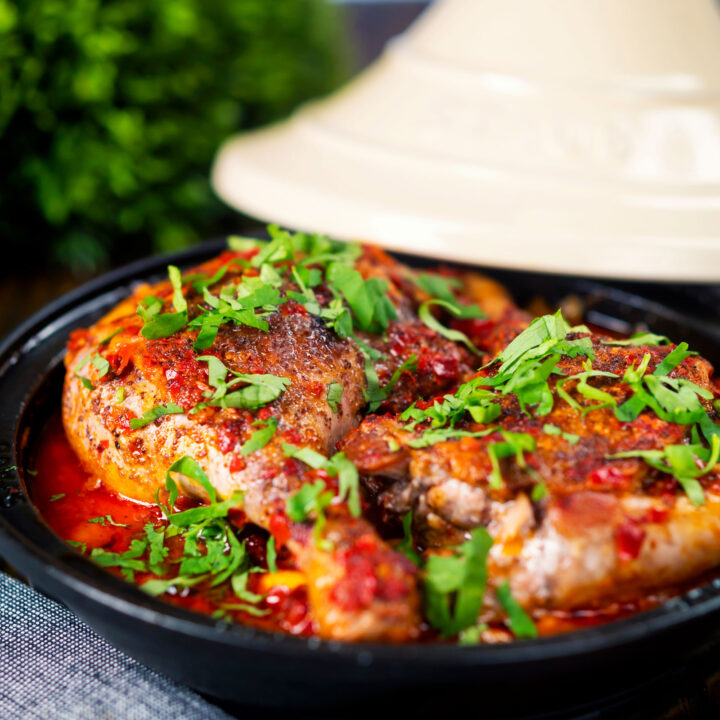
(111, 112)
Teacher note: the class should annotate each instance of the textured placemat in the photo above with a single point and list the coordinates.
(54, 667)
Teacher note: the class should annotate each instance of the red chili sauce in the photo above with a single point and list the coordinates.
(68, 498)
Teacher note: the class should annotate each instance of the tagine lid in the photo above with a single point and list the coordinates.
(550, 135)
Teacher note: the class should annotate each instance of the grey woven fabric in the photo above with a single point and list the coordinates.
(54, 667)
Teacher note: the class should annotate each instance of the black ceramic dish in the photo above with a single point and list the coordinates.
(245, 665)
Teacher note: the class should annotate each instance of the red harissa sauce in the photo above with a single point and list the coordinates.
(68, 498)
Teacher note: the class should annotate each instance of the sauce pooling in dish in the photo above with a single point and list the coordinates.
(81, 510)
(71, 501)
(414, 450)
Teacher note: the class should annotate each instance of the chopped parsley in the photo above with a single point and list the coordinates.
(406, 546)
(641, 338)
(513, 445)
(107, 520)
(260, 438)
(334, 396)
(571, 438)
(311, 499)
(259, 390)
(518, 620)
(455, 584)
(376, 395)
(336, 466)
(154, 413)
(686, 463)
(76, 372)
(462, 312)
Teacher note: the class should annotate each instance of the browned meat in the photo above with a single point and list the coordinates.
(603, 529)
(298, 348)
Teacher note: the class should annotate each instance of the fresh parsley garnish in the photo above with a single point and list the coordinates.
(455, 584)
(336, 466)
(107, 520)
(641, 338)
(462, 312)
(686, 463)
(154, 413)
(571, 438)
(375, 394)
(260, 438)
(518, 620)
(334, 396)
(513, 445)
(259, 390)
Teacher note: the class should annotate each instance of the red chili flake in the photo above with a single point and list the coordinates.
(477, 329)
(291, 307)
(441, 365)
(317, 389)
(657, 515)
(228, 435)
(356, 589)
(629, 538)
(393, 589)
(291, 467)
(265, 413)
(297, 619)
(279, 527)
(292, 436)
(608, 476)
(237, 463)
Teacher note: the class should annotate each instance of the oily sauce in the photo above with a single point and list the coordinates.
(70, 501)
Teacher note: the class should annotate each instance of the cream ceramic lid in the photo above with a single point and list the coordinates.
(571, 136)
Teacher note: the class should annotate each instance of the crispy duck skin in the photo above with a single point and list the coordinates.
(607, 529)
(297, 346)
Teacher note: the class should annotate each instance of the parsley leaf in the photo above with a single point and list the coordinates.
(433, 436)
(206, 512)
(455, 584)
(334, 396)
(685, 463)
(76, 372)
(338, 465)
(179, 302)
(189, 468)
(518, 620)
(376, 395)
(161, 326)
(406, 546)
(259, 390)
(107, 520)
(310, 499)
(459, 311)
(571, 438)
(515, 444)
(641, 338)
(154, 413)
(260, 438)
